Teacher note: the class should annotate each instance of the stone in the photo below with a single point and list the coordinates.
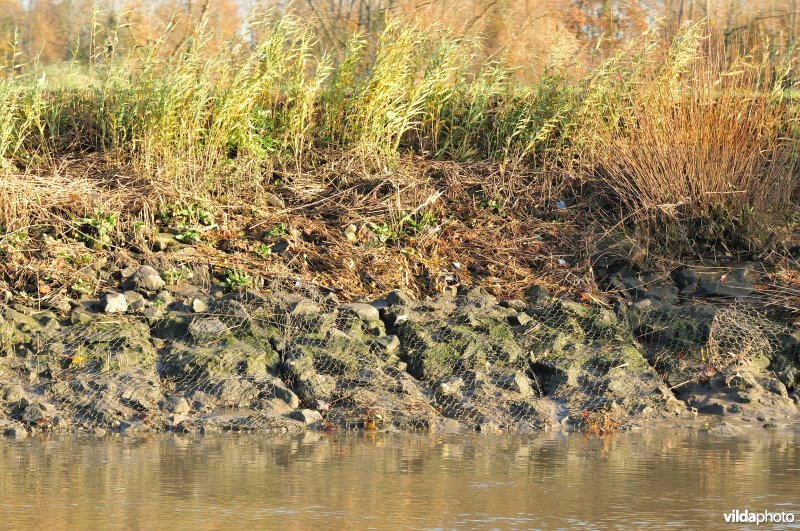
(152, 312)
(127, 272)
(516, 382)
(450, 388)
(731, 289)
(273, 200)
(519, 319)
(280, 246)
(138, 398)
(515, 304)
(107, 412)
(537, 295)
(398, 298)
(304, 308)
(713, 407)
(135, 300)
(661, 297)
(306, 416)
(207, 328)
(175, 404)
(203, 401)
(35, 412)
(147, 279)
(234, 392)
(366, 312)
(684, 278)
(277, 389)
(724, 429)
(389, 344)
(14, 393)
(59, 304)
(164, 298)
(15, 432)
(199, 306)
(163, 241)
(131, 428)
(115, 303)
(313, 386)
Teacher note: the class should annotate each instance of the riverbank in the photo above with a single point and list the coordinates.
(150, 356)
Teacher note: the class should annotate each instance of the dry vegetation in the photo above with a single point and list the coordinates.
(407, 157)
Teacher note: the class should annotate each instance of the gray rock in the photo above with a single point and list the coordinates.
(14, 393)
(106, 412)
(164, 298)
(724, 429)
(306, 416)
(59, 304)
(389, 344)
(398, 298)
(366, 312)
(147, 279)
(163, 241)
(514, 304)
(684, 278)
(537, 295)
(138, 398)
(273, 200)
(519, 319)
(313, 386)
(275, 388)
(207, 328)
(115, 303)
(37, 411)
(662, 297)
(131, 428)
(152, 312)
(129, 271)
(304, 308)
(15, 432)
(234, 392)
(724, 289)
(450, 388)
(135, 300)
(175, 404)
(516, 382)
(199, 306)
(713, 407)
(203, 401)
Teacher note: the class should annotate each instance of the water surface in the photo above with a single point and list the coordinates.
(659, 478)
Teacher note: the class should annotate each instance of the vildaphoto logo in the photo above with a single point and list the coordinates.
(747, 516)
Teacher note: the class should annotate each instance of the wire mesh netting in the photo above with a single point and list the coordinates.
(295, 355)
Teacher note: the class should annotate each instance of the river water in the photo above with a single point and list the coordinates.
(654, 478)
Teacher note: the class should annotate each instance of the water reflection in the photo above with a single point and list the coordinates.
(664, 478)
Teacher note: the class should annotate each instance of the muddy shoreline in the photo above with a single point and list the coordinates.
(152, 357)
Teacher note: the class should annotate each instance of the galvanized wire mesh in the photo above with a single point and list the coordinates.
(294, 355)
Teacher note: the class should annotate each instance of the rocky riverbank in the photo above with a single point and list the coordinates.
(154, 357)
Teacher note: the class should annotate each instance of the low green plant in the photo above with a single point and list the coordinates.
(188, 236)
(277, 231)
(263, 250)
(82, 286)
(95, 231)
(236, 280)
(176, 275)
